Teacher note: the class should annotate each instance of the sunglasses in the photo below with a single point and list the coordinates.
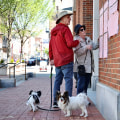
(82, 30)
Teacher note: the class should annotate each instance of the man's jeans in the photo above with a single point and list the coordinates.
(66, 72)
(83, 82)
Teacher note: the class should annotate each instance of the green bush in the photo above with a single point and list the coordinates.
(2, 61)
(18, 61)
(23, 61)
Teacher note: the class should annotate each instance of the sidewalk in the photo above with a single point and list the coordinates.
(13, 102)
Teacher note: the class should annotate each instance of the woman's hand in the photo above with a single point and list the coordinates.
(98, 40)
(79, 40)
(89, 47)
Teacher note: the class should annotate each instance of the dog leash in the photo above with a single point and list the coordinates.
(51, 95)
(48, 109)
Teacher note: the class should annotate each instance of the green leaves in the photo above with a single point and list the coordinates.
(22, 17)
(46, 51)
(25, 14)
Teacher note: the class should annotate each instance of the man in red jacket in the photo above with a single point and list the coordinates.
(61, 53)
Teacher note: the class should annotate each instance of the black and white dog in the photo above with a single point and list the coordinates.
(34, 99)
(67, 104)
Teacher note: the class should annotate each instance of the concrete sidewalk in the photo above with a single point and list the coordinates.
(13, 102)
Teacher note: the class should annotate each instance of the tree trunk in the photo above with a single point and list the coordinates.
(8, 50)
(21, 52)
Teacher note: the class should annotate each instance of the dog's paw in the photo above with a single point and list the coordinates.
(81, 114)
(34, 110)
(64, 112)
(68, 115)
(85, 115)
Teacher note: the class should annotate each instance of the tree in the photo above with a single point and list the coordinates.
(31, 13)
(22, 17)
(46, 51)
(7, 16)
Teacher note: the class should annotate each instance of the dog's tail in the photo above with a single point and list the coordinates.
(84, 96)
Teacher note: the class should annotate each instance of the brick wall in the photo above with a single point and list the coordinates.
(109, 68)
(84, 15)
(88, 16)
(74, 19)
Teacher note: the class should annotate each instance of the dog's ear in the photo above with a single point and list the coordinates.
(58, 93)
(66, 93)
(30, 92)
(39, 93)
(66, 96)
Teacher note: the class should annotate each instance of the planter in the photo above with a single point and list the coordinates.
(20, 69)
(3, 70)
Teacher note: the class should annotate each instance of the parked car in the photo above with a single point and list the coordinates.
(31, 61)
(43, 65)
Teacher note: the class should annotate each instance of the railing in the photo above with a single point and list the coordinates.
(14, 70)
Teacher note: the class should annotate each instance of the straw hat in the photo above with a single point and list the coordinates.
(62, 14)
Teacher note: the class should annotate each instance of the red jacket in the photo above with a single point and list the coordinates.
(60, 46)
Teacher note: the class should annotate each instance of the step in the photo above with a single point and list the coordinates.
(7, 82)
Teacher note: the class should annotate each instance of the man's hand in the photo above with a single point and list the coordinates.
(51, 62)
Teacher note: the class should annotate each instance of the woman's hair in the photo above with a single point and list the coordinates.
(77, 28)
(80, 28)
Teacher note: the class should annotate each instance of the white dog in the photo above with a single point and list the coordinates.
(34, 99)
(67, 104)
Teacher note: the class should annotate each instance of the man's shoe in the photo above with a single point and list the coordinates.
(55, 105)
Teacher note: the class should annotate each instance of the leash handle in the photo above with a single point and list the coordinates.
(51, 84)
(51, 72)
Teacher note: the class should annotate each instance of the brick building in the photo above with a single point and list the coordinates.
(102, 20)
(109, 61)
(83, 14)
